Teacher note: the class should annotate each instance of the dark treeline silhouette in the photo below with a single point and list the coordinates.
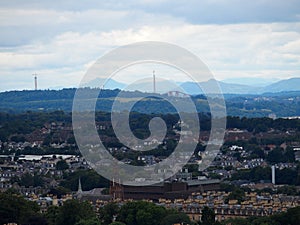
(25, 123)
(282, 104)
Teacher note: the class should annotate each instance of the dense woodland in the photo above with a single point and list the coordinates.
(27, 122)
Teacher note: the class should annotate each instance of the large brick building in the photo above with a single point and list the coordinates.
(167, 190)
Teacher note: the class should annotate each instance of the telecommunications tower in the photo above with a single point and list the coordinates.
(35, 81)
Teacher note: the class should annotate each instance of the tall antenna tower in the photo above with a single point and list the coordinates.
(154, 82)
(35, 81)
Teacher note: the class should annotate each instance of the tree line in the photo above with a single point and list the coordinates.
(16, 209)
(24, 123)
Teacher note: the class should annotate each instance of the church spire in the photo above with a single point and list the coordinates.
(79, 186)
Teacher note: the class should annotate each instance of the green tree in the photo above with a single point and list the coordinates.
(62, 165)
(59, 191)
(264, 221)
(28, 180)
(237, 194)
(291, 217)
(89, 179)
(15, 209)
(276, 156)
(208, 216)
(74, 211)
(36, 220)
(237, 221)
(52, 215)
(107, 213)
(141, 213)
(176, 218)
(286, 176)
(92, 221)
(257, 152)
(117, 223)
(290, 154)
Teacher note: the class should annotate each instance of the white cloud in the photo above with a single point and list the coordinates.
(60, 43)
(241, 49)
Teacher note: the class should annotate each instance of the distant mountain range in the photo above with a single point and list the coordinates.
(292, 84)
(251, 81)
(109, 84)
(192, 88)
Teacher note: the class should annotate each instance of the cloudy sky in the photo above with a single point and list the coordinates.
(60, 40)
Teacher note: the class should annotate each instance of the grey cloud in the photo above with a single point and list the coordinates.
(193, 11)
(118, 14)
(20, 27)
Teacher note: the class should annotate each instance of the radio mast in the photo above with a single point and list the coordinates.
(154, 82)
(35, 82)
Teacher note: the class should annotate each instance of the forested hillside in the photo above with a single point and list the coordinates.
(283, 104)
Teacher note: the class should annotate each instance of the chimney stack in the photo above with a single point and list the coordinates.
(273, 174)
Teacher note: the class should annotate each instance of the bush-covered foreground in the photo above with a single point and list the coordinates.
(16, 209)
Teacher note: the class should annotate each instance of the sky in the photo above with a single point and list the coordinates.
(60, 40)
